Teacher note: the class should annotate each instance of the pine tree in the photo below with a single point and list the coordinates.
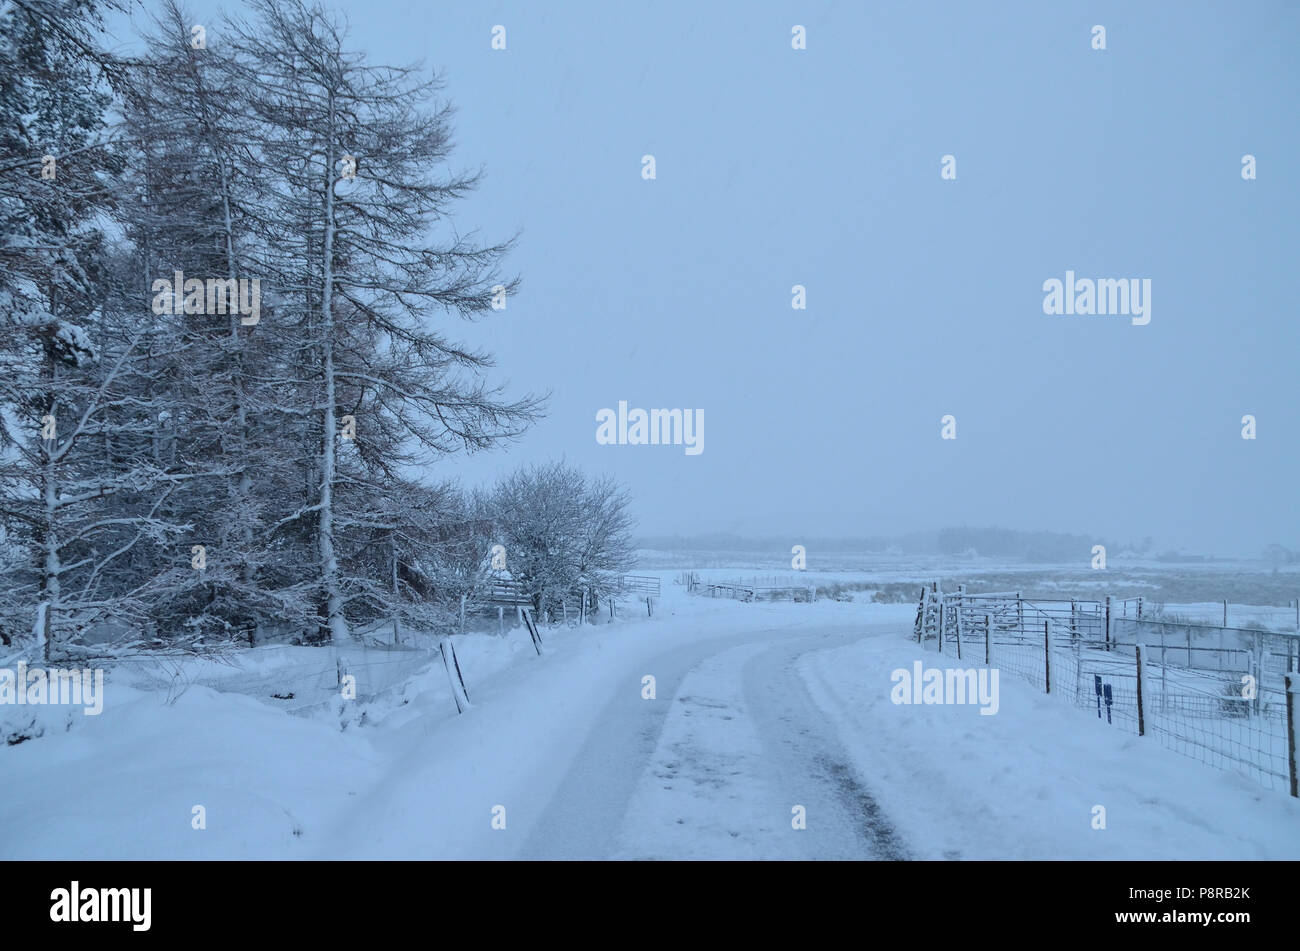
(350, 156)
(56, 392)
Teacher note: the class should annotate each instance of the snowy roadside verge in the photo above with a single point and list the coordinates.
(1023, 783)
(414, 781)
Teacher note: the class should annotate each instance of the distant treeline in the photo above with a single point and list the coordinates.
(1035, 547)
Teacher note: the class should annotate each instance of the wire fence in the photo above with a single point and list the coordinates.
(741, 592)
(297, 678)
(1225, 697)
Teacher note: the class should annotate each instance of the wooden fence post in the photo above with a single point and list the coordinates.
(1257, 663)
(1164, 675)
(454, 676)
(1107, 622)
(530, 622)
(920, 617)
(940, 625)
(958, 625)
(1292, 688)
(1142, 723)
(988, 636)
(1047, 655)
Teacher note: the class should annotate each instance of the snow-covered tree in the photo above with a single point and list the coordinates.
(57, 390)
(562, 532)
(182, 476)
(356, 198)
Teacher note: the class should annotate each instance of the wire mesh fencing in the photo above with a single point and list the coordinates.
(295, 678)
(1224, 697)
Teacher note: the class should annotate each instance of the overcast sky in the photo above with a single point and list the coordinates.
(821, 167)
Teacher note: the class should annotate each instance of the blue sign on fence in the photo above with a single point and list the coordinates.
(1103, 691)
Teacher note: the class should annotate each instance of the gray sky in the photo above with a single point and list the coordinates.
(821, 167)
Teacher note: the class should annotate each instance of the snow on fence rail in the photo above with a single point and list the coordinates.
(741, 592)
(747, 592)
(1230, 704)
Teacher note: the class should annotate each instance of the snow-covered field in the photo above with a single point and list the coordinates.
(761, 713)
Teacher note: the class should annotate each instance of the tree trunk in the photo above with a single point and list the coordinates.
(329, 568)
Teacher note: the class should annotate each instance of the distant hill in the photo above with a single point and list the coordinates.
(1033, 547)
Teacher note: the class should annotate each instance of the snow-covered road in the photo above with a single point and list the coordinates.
(763, 714)
(717, 765)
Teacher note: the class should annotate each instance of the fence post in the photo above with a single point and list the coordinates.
(649, 611)
(959, 611)
(1078, 667)
(530, 622)
(1020, 614)
(1107, 622)
(988, 634)
(1292, 687)
(1225, 612)
(1164, 667)
(1257, 662)
(454, 676)
(1047, 655)
(920, 615)
(940, 625)
(1142, 723)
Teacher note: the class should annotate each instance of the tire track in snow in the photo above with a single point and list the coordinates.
(814, 763)
(713, 767)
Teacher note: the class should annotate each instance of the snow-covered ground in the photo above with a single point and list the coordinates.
(1024, 783)
(762, 713)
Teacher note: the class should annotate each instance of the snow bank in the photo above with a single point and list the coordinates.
(1024, 782)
